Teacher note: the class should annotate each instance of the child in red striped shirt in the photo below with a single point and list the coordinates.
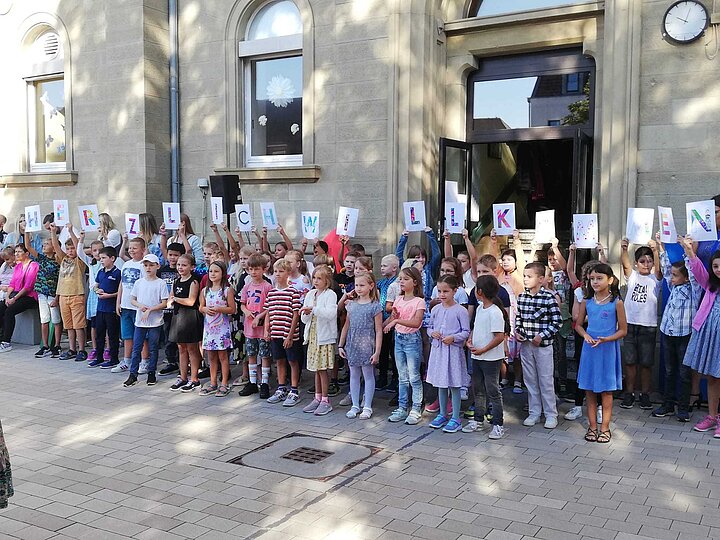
(282, 331)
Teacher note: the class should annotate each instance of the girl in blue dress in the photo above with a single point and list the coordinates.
(600, 368)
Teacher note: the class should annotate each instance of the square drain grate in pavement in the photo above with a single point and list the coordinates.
(306, 456)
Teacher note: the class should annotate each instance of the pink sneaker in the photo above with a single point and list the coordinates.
(706, 424)
(433, 407)
(106, 355)
(92, 356)
(717, 431)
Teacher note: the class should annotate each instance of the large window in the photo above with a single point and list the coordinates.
(485, 8)
(273, 81)
(47, 124)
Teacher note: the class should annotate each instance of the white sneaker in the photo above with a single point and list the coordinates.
(291, 400)
(143, 367)
(122, 367)
(413, 417)
(463, 393)
(531, 420)
(352, 413)
(498, 432)
(472, 426)
(574, 413)
(366, 413)
(5, 347)
(599, 414)
(551, 422)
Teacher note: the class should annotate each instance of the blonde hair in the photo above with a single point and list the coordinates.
(282, 264)
(324, 273)
(374, 295)
(390, 259)
(247, 250)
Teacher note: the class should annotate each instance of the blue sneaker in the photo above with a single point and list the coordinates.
(439, 422)
(683, 416)
(68, 355)
(453, 426)
(109, 364)
(398, 415)
(95, 363)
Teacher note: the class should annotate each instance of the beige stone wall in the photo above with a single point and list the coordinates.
(117, 60)
(679, 157)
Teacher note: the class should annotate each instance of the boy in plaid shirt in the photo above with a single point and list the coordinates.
(538, 320)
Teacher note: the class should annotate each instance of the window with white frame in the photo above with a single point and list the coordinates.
(485, 8)
(46, 100)
(273, 86)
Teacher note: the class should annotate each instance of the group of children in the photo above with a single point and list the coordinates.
(435, 338)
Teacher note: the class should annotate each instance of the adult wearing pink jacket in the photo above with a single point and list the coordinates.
(21, 295)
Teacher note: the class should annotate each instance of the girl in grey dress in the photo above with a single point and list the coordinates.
(361, 341)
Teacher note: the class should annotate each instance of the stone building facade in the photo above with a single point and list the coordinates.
(374, 85)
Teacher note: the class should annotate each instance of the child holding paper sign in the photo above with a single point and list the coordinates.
(641, 307)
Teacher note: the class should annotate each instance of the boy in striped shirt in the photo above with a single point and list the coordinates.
(282, 331)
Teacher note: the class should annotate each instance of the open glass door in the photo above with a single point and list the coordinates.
(454, 176)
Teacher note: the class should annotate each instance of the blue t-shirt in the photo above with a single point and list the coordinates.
(109, 282)
(502, 295)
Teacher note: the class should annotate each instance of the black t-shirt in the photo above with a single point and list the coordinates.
(502, 295)
(343, 280)
(168, 275)
(181, 289)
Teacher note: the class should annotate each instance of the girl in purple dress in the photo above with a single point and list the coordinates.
(449, 329)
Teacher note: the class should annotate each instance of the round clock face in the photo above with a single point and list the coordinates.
(685, 21)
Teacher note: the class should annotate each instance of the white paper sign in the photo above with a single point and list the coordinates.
(347, 221)
(454, 217)
(216, 210)
(544, 226)
(61, 213)
(310, 225)
(701, 220)
(33, 219)
(414, 215)
(668, 232)
(244, 217)
(171, 215)
(269, 215)
(639, 225)
(504, 218)
(452, 193)
(132, 225)
(63, 237)
(89, 217)
(585, 231)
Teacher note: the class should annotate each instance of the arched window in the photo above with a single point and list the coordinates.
(483, 8)
(47, 124)
(273, 81)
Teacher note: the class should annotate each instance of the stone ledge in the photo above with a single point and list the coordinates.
(39, 179)
(301, 174)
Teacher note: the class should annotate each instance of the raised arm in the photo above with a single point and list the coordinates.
(558, 254)
(122, 252)
(470, 248)
(163, 241)
(54, 240)
(572, 276)
(28, 244)
(602, 254)
(656, 259)
(625, 258)
(519, 251)
(231, 239)
(435, 255)
(400, 250)
(447, 244)
(220, 241)
(285, 237)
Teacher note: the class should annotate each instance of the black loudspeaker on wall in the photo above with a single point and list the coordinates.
(226, 186)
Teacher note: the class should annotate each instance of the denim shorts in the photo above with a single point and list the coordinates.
(639, 345)
(127, 323)
(293, 354)
(257, 347)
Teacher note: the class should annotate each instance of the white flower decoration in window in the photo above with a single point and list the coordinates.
(262, 120)
(294, 129)
(280, 91)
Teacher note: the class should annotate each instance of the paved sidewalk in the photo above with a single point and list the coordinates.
(92, 459)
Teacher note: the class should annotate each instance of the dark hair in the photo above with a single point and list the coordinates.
(489, 286)
(451, 281)
(680, 265)
(177, 247)
(414, 274)
(352, 254)
(22, 247)
(366, 262)
(457, 267)
(282, 245)
(139, 240)
(359, 248)
(322, 244)
(257, 261)
(223, 282)
(49, 218)
(716, 200)
(416, 250)
(606, 269)
(713, 280)
(189, 258)
(510, 252)
(109, 251)
(642, 251)
(536, 267)
(490, 261)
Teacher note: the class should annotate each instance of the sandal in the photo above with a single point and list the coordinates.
(222, 391)
(604, 436)
(591, 435)
(208, 389)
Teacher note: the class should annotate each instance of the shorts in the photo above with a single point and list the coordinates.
(257, 347)
(48, 313)
(72, 311)
(127, 323)
(639, 345)
(91, 321)
(293, 354)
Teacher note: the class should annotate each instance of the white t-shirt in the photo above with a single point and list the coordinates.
(641, 299)
(460, 296)
(393, 292)
(488, 321)
(468, 282)
(131, 271)
(150, 292)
